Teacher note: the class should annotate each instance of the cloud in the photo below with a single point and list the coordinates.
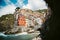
(27, 6)
(7, 9)
(21, 3)
(32, 4)
(10, 7)
(35, 4)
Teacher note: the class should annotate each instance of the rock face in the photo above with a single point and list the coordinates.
(26, 20)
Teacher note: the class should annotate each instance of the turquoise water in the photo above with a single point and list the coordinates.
(16, 37)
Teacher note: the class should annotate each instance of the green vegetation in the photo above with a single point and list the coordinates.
(17, 8)
(44, 10)
(6, 22)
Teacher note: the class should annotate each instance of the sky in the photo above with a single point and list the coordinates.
(8, 6)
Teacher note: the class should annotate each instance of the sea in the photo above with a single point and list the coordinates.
(16, 36)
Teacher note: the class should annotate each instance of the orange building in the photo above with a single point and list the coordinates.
(21, 20)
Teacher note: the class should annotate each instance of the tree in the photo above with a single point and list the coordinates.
(17, 8)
